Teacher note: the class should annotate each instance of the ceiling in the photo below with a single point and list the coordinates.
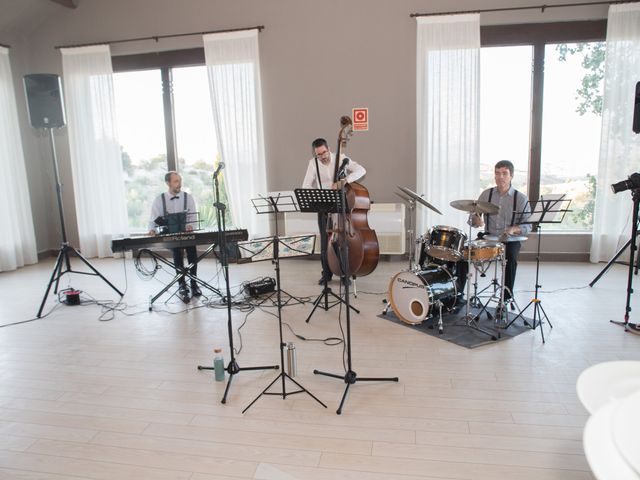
(23, 16)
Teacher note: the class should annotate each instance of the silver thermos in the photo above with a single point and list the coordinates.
(292, 364)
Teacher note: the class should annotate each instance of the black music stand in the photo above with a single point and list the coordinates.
(317, 200)
(541, 212)
(265, 205)
(65, 247)
(232, 368)
(340, 204)
(284, 202)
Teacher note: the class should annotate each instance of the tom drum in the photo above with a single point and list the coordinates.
(445, 243)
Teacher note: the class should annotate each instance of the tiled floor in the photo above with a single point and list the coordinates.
(94, 392)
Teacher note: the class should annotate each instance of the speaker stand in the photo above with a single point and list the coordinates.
(63, 253)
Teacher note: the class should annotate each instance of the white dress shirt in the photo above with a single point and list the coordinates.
(354, 171)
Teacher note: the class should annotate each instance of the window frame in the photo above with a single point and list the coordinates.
(164, 61)
(538, 35)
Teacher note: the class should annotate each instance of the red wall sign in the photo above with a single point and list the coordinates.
(360, 119)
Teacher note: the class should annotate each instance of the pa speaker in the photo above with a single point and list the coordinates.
(636, 110)
(44, 100)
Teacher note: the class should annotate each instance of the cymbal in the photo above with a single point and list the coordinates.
(403, 197)
(419, 199)
(475, 206)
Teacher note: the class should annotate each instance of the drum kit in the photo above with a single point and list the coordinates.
(431, 282)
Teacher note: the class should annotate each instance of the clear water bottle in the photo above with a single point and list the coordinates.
(292, 365)
(218, 365)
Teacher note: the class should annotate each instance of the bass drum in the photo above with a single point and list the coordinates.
(414, 295)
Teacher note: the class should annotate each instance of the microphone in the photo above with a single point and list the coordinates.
(343, 166)
(220, 167)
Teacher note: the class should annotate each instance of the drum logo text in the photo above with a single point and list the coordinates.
(402, 280)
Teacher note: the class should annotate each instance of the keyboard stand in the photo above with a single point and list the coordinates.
(181, 274)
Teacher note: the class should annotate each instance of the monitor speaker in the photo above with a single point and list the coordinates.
(44, 100)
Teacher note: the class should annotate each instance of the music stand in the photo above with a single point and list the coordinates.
(544, 211)
(269, 249)
(338, 196)
(317, 200)
(294, 246)
(233, 368)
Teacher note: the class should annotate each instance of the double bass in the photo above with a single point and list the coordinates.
(362, 242)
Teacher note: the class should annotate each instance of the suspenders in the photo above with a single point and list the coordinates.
(164, 204)
(515, 203)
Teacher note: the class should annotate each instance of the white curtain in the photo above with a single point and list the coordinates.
(18, 243)
(619, 146)
(94, 148)
(233, 65)
(448, 109)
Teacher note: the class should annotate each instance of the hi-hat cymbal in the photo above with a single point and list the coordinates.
(419, 199)
(475, 206)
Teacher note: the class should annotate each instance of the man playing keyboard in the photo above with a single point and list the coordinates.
(174, 211)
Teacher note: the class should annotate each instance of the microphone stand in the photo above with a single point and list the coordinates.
(233, 368)
(350, 377)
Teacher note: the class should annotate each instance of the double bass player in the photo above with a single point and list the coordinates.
(320, 174)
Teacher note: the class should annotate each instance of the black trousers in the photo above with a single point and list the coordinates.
(511, 255)
(323, 218)
(178, 260)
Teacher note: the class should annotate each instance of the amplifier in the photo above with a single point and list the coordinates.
(260, 287)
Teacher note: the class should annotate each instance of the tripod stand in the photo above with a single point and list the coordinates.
(545, 213)
(322, 202)
(615, 257)
(63, 260)
(233, 368)
(275, 207)
(350, 377)
(635, 195)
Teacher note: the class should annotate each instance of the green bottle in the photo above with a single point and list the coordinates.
(218, 365)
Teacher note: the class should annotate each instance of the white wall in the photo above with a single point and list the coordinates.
(319, 59)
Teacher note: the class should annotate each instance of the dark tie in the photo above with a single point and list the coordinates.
(175, 197)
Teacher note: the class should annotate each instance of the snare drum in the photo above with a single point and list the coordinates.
(483, 250)
(413, 295)
(445, 243)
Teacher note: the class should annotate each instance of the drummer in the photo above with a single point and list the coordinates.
(507, 223)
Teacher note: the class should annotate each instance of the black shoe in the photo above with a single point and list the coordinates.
(183, 293)
(324, 279)
(195, 290)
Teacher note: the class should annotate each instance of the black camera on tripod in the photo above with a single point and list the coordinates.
(630, 183)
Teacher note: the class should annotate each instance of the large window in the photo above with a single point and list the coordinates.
(141, 130)
(505, 112)
(165, 123)
(571, 131)
(552, 74)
